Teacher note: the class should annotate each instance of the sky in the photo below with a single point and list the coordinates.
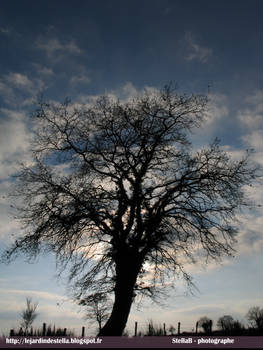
(78, 49)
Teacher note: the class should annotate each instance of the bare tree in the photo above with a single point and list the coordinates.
(98, 307)
(255, 316)
(28, 315)
(116, 190)
(225, 322)
(172, 330)
(205, 323)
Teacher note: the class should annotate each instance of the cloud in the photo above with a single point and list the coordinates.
(34, 293)
(250, 236)
(20, 81)
(6, 92)
(8, 227)
(255, 99)
(251, 117)
(14, 144)
(255, 139)
(128, 91)
(53, 47)
(42, 70)
(5, 31)
(196, 52)
(16, 88)
(217, 111)
(80, 79)
(217, 108)
(124, 93)
(205, 309)
(14, 140)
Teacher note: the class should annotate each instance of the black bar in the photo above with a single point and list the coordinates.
(245, 342)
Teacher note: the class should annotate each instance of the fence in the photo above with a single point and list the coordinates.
(44, 331)
(162, 330)
(152, 330)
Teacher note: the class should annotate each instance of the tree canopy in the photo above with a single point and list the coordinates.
(98, 307)
(255, 316)
(226, 322)
(116, 191)
(205, 323)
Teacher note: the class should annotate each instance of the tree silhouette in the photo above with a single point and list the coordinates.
(225, 322)
(116, 190)
(98, 307)
(205, 323)
(28, 315)
(172, 330)
(255, 316)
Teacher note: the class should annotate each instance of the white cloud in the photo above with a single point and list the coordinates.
(124, 93)
(72, 47)
(6, 92)
(34, 293)
(255, 139)
(8, 227)
(217, 109)
(52, 47)
(250, 236)
(129, 90)
(43, 70)
(14, 141)
(80, 79)
(251, 117)
(20, 81)
(196, 51)
(5, 31)
(14, 87)
(235, 154)
(217, 112)
(256, 98)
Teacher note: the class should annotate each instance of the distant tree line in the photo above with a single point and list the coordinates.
(228, 325)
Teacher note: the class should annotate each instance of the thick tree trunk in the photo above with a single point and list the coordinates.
(126, 276)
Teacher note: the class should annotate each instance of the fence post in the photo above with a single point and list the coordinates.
(196, 327)
(164, 330)
(210, 326)
(83, 332)
(135, 329)
(12, 333)
(179, 326)
(65, 331)
(44, 329)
